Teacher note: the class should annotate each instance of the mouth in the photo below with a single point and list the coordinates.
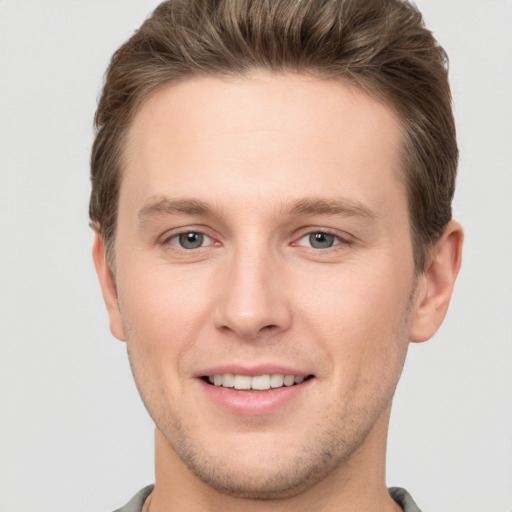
(250, 392)
(264, 382)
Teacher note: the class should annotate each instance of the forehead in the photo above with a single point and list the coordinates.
(234, 137)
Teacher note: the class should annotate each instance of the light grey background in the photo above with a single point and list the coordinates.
(73, 433)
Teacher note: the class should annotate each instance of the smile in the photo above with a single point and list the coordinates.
(256, 382)
(255, 391)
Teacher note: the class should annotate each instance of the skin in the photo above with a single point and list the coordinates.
(272, 160)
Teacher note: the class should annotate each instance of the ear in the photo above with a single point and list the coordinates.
(108, 287)
(435, 285)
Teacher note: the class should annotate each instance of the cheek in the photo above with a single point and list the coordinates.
(365, 335)
(352, 297)
(162, 317)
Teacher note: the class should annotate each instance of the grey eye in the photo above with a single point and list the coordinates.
(191, 240)
(321, 240)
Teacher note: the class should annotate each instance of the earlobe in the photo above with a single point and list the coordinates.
(435, 285)
(108, 287)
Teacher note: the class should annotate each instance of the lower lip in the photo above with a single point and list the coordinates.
(254, 403)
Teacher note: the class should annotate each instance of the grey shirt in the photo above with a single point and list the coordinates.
(401, 496)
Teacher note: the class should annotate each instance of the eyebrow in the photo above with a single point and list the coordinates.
(336, 206)
(158, 206)
(161, 206)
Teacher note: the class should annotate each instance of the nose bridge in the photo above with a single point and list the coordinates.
(252, 291)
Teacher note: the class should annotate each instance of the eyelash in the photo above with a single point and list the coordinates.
(337, 240)
(177, 236)
(177, 240)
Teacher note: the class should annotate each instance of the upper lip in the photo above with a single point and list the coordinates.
(251, 371)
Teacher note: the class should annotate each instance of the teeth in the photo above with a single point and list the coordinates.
(242, 382)
(261, 382)
(228, 380)
(258, 382)
(289, 380)
(276, 380)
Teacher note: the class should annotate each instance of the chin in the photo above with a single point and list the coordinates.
(261, 482)
(256, 467)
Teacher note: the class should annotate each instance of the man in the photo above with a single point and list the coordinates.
(272, 186)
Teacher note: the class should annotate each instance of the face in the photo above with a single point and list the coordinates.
(265, 277)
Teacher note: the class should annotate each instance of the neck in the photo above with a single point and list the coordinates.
(357, 484)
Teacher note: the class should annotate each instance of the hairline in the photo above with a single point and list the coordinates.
(420, 248)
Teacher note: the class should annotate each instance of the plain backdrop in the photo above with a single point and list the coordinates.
(73, 433)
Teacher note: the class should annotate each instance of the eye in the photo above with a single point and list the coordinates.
(319, 240)
(190, 240)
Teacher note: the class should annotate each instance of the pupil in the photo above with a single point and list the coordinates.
(191, 240)
(321, 240)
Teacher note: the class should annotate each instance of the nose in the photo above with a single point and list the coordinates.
(252, 301)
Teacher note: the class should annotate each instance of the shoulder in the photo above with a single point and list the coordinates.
(136, 503)
(404, 499)
(401, 496)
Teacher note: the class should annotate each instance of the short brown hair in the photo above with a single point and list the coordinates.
(382, 46)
